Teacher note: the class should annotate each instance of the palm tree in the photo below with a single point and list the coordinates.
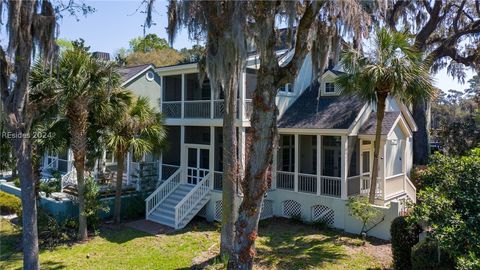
(140, 130)
(393, 69)
(82, 80)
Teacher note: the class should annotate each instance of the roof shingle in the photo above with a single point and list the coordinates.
(368, 128)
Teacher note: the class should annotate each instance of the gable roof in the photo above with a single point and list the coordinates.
(332, 112)
(368, 128)
(128, 73)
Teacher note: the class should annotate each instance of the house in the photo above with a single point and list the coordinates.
(324, 154)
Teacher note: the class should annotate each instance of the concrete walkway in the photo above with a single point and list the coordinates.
(149, 227)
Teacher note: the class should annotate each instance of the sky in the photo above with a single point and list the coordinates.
(114, 23)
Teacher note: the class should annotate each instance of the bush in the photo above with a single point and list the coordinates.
(52, 233)
(54, 185)
(10, 204)
(404, 236)
(360, 208)
(93, 205)
(425, 256)
(16, 181)
(133, 207)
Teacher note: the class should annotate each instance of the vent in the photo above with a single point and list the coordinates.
(323, 213)
(292, 208)
(218, 210)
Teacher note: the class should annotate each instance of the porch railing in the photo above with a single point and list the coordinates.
(195, 196)
(248, 108)
(172, 109)
(218, 108)
(162, 192)
(410, 189)
(394, 185)
(330, 186)
(285, 180)
(197, 109)
(69, 179)
(307, 183)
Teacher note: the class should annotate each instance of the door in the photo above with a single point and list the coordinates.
(197, 164)
(366, 167)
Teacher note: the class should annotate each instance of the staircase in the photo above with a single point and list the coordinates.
(174, 203)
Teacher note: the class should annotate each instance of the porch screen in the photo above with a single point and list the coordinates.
(331, 156)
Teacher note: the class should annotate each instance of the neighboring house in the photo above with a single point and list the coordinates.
(324, 154)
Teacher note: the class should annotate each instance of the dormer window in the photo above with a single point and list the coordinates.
(287, 88)
(329, 88)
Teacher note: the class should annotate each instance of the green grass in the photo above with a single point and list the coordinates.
(282, 245)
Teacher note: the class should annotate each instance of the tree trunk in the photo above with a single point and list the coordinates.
(381, 98)
(255, 184)
(78, 118)
(29, 204)
(421, 147)
(118, 188)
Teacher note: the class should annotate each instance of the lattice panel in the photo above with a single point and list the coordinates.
(292, 208)
(218, 210)
(267, 209)
(323, 213)
(203, 211)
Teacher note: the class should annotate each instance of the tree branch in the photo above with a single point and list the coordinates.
(457, 17)
(429, 27)
(302, 42)
(397, 8)
(4, 75)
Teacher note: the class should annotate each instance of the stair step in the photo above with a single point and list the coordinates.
(162, 219)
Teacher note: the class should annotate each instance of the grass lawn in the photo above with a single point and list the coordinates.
(281, 245)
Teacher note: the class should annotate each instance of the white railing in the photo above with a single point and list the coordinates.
(307, 183)
(218, 108)
(172, 109)
(162, 192)
(69, 179)
(330, 186)
(410, 189)
(365, 184)
(217, 180)
(394, 185)
(197, 109)
(168, 170)
(285, 180)
(186, 205)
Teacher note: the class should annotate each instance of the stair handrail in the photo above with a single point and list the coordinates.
(183, 208)
(68, 179)
(410, 189)
(162, 192)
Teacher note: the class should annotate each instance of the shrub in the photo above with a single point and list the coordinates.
(93, 205)
(133, 207)
(404, 236)
(10, 204)
(360, 208)
(425, 256)
(54, 185)
(52, 233)
(16, 181)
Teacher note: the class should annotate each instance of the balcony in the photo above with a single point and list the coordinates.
(203, 109)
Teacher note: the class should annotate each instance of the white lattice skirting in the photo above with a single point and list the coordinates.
(323, 213)
(292, 208)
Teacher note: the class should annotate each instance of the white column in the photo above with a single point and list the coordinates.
(160, 162)
(319, 164)
(104, 160)
(241, 150)
(128, 168)
(242, 92)
(183, 95)
(183, 158)
(69, 160)
(212, 104)
(403, 144)
(211, 153)
(296, 163)
(344, 167)
(45, 161)
(383, 166)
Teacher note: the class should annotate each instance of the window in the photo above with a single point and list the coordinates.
(287, 88)
(150, 76)
(329, 88)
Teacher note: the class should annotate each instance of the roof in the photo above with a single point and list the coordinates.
(368, 128)
(336, 72)
(332, 112)
(126, 73)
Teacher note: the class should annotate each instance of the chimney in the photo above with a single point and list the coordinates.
(101, 55)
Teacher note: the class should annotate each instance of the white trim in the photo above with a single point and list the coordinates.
(138, 74)
(357, 123)
(408, 116)
(177, 67)
(338, 132)
(403, 127)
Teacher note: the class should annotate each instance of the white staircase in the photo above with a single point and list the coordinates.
(174, 203)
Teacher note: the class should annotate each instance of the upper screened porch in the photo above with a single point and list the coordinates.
(184, 97)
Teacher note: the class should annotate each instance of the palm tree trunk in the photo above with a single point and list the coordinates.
(29, 205)
(421, 147)
(118, 188)
(78, 118)
(381, 99)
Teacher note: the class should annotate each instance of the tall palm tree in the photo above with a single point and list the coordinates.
(140, 130)
(82, 80)
(395, 69)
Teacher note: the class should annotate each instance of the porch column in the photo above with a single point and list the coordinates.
(241, 150)
(319, 164)
(344, 167)
(160, 162)
(403, 144)
(241, 104)
(69, 160)
(45, 160)
(383, 166)
(212, 104)
(183, 96)
(211, 158)
(104, 161)
(128, 168)
(295, 181)
(183, 158)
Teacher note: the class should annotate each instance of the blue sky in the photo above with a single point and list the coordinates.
(114, 23)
